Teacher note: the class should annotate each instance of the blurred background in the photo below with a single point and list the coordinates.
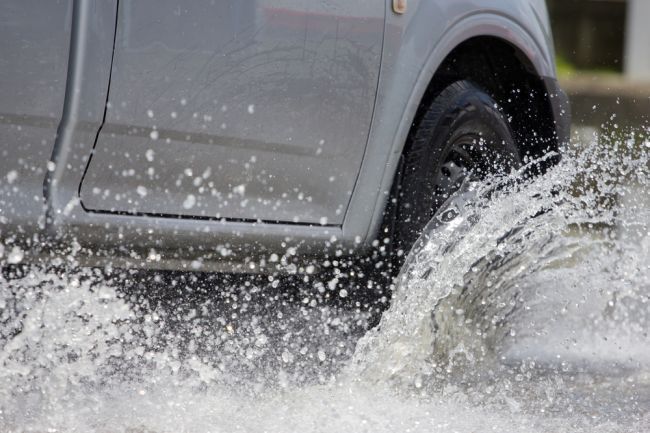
(603, 59)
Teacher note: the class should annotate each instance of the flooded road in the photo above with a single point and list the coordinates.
(524, 308)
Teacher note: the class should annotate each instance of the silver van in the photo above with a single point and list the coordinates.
(259, 135)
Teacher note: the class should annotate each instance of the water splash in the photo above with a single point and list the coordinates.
(524, 308)
(547, 275)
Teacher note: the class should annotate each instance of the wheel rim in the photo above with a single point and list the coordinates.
(470, 156)
(458, 164)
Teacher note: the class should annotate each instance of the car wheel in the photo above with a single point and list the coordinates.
(462, 132)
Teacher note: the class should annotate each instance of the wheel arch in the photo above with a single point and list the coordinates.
(509, 45)
(509, 75)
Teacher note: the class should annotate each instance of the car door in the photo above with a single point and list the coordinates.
(35, 40)
(243, 110)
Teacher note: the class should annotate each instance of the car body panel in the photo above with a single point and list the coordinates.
(33, 70)
(409, 64)
(414, 45)
(253, 110)
(91, 51)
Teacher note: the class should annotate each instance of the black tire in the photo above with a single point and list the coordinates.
(463, 131)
